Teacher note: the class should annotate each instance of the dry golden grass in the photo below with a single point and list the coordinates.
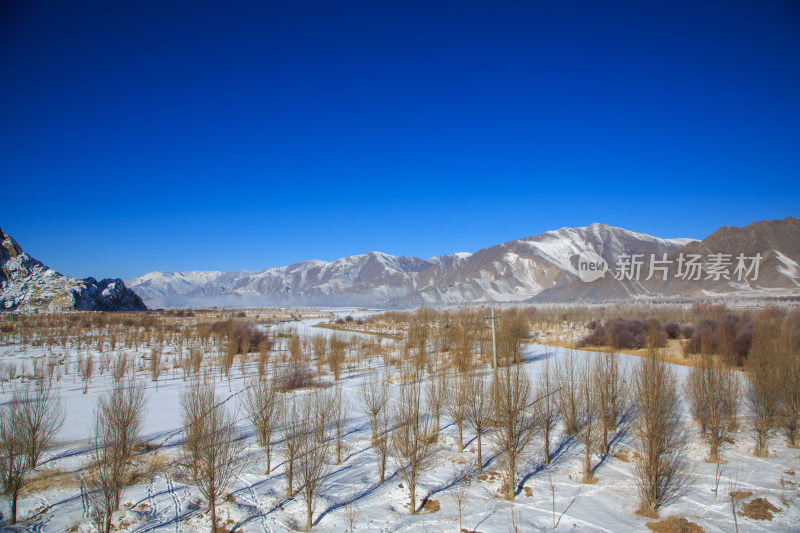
(43, 480)
(674, 524)
(759, 509)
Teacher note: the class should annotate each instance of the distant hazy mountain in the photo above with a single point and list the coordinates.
(26, 285)
(514, 271)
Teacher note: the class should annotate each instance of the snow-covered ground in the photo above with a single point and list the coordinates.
(166, 502)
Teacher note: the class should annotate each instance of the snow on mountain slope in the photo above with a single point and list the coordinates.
(27, 285)
(514, 271)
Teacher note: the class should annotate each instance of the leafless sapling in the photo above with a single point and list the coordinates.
(660, 470)
(610, 389)
(568, 393)
(216, 447)
(412, 446)
(711, 391)
(312, 457)
(118, 420)
(545, 408)
(478, 407)
(29, 422)
(513, 424)
(294, 431)
(762, 390)
(264, 407)
(373, 393)
(457, 403)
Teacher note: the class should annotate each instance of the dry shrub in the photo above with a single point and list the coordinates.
(49, 479)
(674, 524)
(730, 336)
(625, 333)
(759, 509)
(431, 506)
(296, 374)
(740, 494)
(672, 330)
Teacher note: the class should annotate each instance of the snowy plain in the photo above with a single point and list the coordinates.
(165, 503)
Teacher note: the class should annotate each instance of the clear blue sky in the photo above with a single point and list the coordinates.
(198, 135)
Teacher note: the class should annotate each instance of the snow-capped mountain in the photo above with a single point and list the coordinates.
(514, 271)
(26, 285)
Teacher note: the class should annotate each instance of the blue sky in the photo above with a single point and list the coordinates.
(140, 136)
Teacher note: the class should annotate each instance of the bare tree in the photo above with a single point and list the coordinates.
(457, 403)
(323, 408)
(118, 421)
(263, 358)
(43, 417)
(413, 447)
(712, 393)
(762, 392)
(478, 406)
(512, 328)
(374, 394)
(513, 425)
(119, 367)
(590, 430)
(661, 471)
(319, 344)
(227, 358)
(340, 407)
(312, 467)
(545, 409)
(264, 407)
(351, 512)
(419, 331)
(459, 495)
(214, 444)
(336, 355)
(14, 464)
(86, 369)
(294, 431)
(788, 361)
(568, 393)
(611, 393)
(382, 443)
(435, 393)
(29, 422)
(156, 365)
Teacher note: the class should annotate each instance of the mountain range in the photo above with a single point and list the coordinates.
(27, 285)
(534, 269)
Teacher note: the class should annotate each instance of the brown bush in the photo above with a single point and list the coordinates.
(296, 374)
(674, 524)
(623, 333)
(759, 509)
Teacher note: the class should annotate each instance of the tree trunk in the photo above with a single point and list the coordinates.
(605, 441)
(713, 449)
(547, 446)
(14, 495)
(480, 458)
(412, 489)
(460, 437)
(587, 464)
(309, 524)
(266, 448)
(213, 517)
(512, 468)
(289, 481)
